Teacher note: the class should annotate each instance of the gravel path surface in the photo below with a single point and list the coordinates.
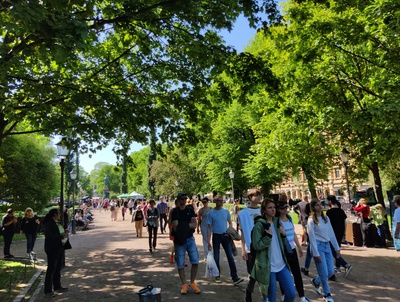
(109, 263)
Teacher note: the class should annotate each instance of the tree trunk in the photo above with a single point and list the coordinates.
(311, 182)
(379, 195)
(266, 189)
(124, 184)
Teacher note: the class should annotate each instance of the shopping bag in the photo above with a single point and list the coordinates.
(211, 267)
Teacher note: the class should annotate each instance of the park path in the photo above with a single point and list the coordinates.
(109, 263)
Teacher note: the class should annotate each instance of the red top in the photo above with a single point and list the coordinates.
(364, 210)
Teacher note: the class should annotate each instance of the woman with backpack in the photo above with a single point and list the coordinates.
(270, 264)
(291, 255)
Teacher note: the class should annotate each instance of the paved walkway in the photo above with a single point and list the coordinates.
(109, 263)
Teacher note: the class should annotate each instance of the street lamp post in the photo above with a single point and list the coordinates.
(344, 156)
(62, 153)
(232, 176)
(73, 174)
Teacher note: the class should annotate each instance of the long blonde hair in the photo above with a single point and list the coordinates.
(314, 217)
(26, 212)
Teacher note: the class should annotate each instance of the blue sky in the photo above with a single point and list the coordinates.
(239, 37)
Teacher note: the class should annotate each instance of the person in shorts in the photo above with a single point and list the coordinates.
(183, 225)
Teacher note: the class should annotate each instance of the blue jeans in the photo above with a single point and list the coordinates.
(225, 240)
(325, 267)
(30, 241)
(180, 250)
(285, 281)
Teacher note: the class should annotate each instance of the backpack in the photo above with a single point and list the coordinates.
(253, 251)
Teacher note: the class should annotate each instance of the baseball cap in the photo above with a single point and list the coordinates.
(181, 194)
(161, 197)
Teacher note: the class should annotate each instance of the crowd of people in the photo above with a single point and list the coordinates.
(269, 244)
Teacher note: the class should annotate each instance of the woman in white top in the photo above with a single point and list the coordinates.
(291, 255)
(321, 234)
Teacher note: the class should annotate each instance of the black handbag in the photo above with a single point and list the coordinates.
(67, 245)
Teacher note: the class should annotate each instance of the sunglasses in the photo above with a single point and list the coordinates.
(283, 208)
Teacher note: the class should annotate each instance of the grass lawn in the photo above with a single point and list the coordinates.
(14, 275)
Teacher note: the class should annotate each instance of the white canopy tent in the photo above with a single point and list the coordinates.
(136, 195)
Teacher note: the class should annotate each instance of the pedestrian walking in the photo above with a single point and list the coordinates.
(338, 221)
(152, 217)
(235, 213)
(202, 217)
(291, 254)
(302, 209)
(162, 208)
(183, 221)
(55, 239)
(8, 224)
(271, 265)
(218, 221)
(246, 224)
(138, 219)
(130, 205)
(29, 227)
(123, 210)
(363, 208)
(396, 223)
(321, 235)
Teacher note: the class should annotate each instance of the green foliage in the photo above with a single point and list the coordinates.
(113, 173)
(98, 70)
(31, 174)
(138, 172)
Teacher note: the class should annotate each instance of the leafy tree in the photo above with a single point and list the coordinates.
(32, 178)
(347, 71)
(84, 182)
(138, 172)
(97, 70)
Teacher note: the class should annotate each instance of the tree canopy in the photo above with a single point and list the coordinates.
(98, 70)
(31, 175)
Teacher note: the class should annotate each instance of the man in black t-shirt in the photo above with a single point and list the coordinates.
(8, 224)
(183, 224)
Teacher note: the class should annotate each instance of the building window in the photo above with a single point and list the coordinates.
(337, 173)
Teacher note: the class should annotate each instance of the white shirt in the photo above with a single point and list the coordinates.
(322, 232)
(277, 262)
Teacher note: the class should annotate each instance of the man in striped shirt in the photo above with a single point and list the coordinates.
(162, 208)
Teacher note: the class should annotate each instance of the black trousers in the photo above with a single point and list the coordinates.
(53, 273)
(7, 242)
(294, 265)
(249, 265)
(152, 236)
(163, 217)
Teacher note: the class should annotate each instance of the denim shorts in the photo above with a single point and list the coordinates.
(191, 248)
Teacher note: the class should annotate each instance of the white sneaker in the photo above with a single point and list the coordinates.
(316, 287)
(348, 270)
(328, 299)
(283, 298)
(304, 299)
